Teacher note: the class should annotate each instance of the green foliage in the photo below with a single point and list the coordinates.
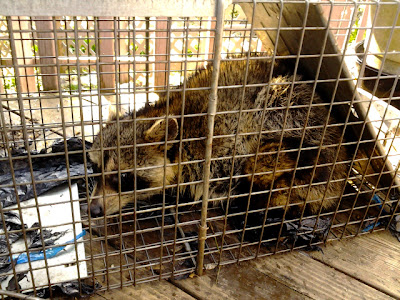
(83, 48)
(132, 48)
(354, 32)
(190, 53)
(73, 87)
(353, 35)
(9, 83)
(35, 49)
(234, 13)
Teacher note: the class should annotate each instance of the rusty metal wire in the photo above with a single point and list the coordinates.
(62, 77)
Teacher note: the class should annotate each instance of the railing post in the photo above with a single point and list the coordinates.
(23, 48)
(106, 54)
(124, 65)
(211, 39)
(47, 52)
(161, 42)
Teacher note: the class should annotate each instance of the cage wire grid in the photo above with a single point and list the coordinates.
(62, 77)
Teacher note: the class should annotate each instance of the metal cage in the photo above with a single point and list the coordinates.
(67, 67)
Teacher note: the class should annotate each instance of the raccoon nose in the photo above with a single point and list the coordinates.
(96, 210)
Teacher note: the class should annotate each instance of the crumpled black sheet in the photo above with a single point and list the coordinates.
(12, 284)
(13, 222)
(304, 233)
(49, 237)
(70, 289)
(292, 232)
(44, 168)
(394, 227)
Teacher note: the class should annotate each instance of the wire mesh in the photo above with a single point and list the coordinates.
(188, 143)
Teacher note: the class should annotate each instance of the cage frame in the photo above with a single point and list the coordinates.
(345, 89)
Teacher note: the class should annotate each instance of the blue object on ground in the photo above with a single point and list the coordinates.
(50, 253)
(370, 226)
(376, 199)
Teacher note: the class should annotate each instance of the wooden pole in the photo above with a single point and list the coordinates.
(161, 44)
(106, 54)
(123, 52)
(23, 47)
(47, 52)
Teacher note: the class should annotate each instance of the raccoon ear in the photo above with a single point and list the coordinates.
(156, 133)
(112, 114)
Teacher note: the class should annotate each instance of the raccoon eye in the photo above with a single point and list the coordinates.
(113, 181)
(142, 183)
(126, 182)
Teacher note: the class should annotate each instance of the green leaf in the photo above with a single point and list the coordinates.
(35, 49)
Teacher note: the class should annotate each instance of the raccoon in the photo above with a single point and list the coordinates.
(262, 104)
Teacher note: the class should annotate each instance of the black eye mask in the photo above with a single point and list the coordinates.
(96, 168)
(128, 182)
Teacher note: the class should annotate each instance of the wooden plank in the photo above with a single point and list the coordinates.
(340, 19)
(314, 279)
(267, 37)
(148, 291)
(374, 259)
(121, 8)
(294, 275)
(47, 53)
(2, 91)
(346, 90)
(243, 281)
(211, 25)
(153, 290)
(123, 50)
(106, 54)
(313, 43)
(23, 47)
(161, 47)
(363, 23)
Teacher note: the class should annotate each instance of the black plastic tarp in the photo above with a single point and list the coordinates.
(52, 168)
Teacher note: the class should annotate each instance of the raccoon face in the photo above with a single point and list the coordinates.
(105, 198)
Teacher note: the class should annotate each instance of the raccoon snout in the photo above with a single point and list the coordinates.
(96, 210)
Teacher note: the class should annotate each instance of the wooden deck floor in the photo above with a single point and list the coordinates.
(366, 267)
